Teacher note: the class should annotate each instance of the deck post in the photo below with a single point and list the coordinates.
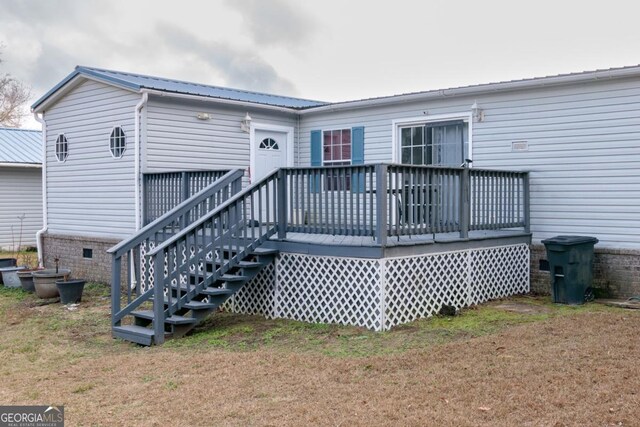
(281, 209)
(158, 298)
(381, 204)
(526, 203)
(184, 195)
(116, 270)
(464, 205)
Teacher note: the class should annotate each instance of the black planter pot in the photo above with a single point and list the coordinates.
(70, 290)
(26, 280)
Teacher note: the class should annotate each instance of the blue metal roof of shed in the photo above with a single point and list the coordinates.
(20, 146)
(138, 82)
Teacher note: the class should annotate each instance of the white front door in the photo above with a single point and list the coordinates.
(270, 149)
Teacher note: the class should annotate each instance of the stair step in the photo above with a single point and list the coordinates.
(232, 278)
(264, 251)
(173, 320)
(216, 291)
(137, 334)
(198, 305)
(250, 264)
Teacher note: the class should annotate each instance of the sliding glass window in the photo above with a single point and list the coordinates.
(440, 143)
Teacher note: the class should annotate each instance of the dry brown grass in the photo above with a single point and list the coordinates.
(553, 366)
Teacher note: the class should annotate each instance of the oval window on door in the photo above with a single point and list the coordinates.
(269, 144)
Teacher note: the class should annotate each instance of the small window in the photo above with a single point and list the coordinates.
(62, 148)
(87, 253)
(269, 144)
(117, 142)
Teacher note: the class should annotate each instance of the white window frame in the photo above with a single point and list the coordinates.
(397, 124)
(66, 141)
(350, 129)
(124, 148)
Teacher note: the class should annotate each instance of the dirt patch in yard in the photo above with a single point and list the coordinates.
(560, 366)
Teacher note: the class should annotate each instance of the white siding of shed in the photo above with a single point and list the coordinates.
(20, 194)
(91, 193)
(583, 150)
(178, 140)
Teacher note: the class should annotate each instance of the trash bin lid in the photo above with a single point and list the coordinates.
(570, 240)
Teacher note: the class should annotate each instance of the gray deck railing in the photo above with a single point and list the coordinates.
(158, 231)
(389, 200)
(165, 190)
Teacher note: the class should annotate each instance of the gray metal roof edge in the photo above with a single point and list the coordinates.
(483, 88)
(20, 129)
(87, 72)
(245, 91)
(99, 74)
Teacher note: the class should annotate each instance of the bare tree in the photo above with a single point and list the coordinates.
(13, 95)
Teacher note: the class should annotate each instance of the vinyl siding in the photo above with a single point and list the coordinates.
(177, 140)
(583, 150)
(20, 194)
(91, 193)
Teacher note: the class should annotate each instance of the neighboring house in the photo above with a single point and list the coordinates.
(120, 147)
(20, 187)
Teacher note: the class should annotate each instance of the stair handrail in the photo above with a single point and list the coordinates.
(232, 177)
(208, 215)
(232, 181)
(222, 230)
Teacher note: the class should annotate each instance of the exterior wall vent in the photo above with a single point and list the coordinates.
(520, 146)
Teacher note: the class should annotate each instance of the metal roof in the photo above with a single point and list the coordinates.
(139, 82)
(485, 88)
(20, 146)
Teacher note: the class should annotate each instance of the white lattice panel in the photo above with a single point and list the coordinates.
(329, 290)
(257, 296)
(417, 287)
(380, 294)
(499, 272)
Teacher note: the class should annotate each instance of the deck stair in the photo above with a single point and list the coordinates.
(204, 301)
(183, 267)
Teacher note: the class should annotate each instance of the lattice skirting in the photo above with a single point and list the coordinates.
(381, 293)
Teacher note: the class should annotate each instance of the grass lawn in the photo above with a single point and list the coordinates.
(520, 361)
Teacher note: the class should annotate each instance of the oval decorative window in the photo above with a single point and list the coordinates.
(62, 148)
(269, 144)
(117, 142)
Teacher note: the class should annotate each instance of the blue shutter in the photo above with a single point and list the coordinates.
(357, 158)
(316, 159)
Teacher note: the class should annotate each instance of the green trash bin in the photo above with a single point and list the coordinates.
(571, 267)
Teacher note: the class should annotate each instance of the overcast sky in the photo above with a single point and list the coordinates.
(329, 50)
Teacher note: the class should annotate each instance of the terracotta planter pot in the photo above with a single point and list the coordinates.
(70, 290)
(45, 282)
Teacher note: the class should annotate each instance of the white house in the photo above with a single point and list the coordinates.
(123, 148)
(20, 187)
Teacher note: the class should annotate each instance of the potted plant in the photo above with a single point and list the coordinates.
(8, 267)
(70, 290)
(25, 276)
(45, 280)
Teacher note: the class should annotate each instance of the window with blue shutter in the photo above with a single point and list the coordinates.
(316, 159)
(338, 147)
